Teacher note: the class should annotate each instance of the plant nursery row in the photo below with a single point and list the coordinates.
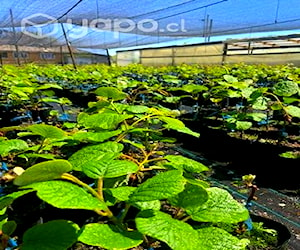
(90, 157)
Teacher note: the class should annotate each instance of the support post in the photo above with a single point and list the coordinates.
(225, 49)
(108, 57)
(15, 36)
(69, 46)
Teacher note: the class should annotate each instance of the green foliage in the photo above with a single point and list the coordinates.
(115, 156)
(109, 236)
(56, 234)
(43, 171)
(9, 146)
(62, 194)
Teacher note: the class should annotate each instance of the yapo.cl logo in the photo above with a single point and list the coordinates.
(32, 26)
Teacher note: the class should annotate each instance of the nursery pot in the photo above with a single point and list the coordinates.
(284, 233)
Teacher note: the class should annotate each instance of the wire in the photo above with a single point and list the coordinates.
(277, 11)
(187, 11)
(69, 10)
(167, 8)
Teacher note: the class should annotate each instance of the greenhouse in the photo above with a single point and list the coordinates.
(142, 125)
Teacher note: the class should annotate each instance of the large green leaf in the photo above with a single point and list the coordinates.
(194, 88)
(109, 237)
(230, 78)
(95, 136)
(175, 124)
(177, 234)
(111, 93)
(49, 86)
(122, 193)
(109, 169)
(7, 146)
(191, 198)
(100, 152)
(286, 88)
(184, 163)
(261, 103)
(162, 186)
(43, 171)
(293, 111)
(47, 131)
(62, 194)
(243, 125)
(220, 207)
(257, 116)
(9, 227)
(213, 238)
(56, 234)
(8, 199)
(102, 120)
(145, 205)
(137, 109)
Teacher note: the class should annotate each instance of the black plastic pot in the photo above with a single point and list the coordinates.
(284, 234)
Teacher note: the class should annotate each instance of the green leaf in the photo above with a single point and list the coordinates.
(95, 136)
(257, 116)
(102, 120)
(261, 103)
(233, 93)
(289, 100)
(49, 85)
(111, 93)
(175, 124)
(62, 194)
(9, 227)
(100, 152)
(194, 88)
(291, 154)
(229, 78)
(122, 193)
(56, 234)
(246, 93)
(43, 171)
(213, 238)
(162, 186)
(243, 125)
(144, 205)
(109, 237)
(8, 199)
(286, 88)
(198, 182)
(109, 169)
(47, 131)
(184, 163)
(191, 198)
(177, 234)
(137, 109)
(220, 207)
(33, 155)
(7, 146)
(293, 111)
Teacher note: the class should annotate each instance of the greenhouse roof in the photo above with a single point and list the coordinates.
(116, 24)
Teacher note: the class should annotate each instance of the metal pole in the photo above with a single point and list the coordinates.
(15, 36)
(209, 29)
(108, 57)
(69, 46)
(225, 49)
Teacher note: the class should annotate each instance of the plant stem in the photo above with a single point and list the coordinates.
(126, 209)
(107, 212)
(100, 189)
(186, 218)
(74, 179)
